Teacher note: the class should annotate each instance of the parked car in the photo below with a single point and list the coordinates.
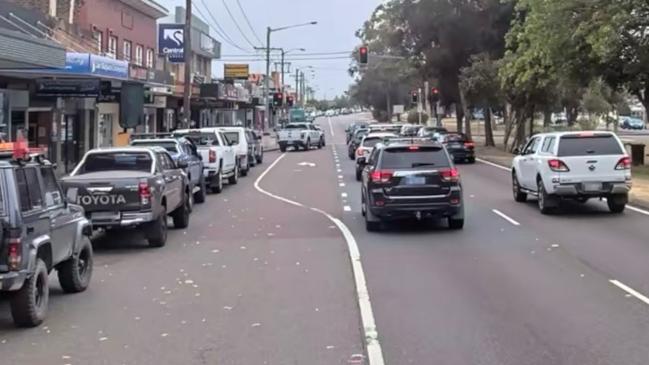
(182, 149)
(410, 179)
(352, 128)
(632, 123)
(256, 154)
(237, 139)
(219, 157)
(459, 147)
(131, 187)
(365, 148)
(300, 135)
(572, 165)
(40, 231)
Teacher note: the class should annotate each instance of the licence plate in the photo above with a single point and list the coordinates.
(592, 186)
(414, 180)
(104, 216)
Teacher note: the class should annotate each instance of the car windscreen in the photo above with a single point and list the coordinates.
(585, 145)
(455, 137)
(169, 146)
(112, 161)
(200, 138)
(414, 157)
(233, 137)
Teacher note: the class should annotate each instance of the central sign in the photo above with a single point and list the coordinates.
(171, 41)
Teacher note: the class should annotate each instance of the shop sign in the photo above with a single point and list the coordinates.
(227, 92)
(138, 73)
(67, 87)
(159, 102)
(236, 71)
(86, 63)
(171, 41)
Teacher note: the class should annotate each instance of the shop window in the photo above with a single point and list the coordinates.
(127, 50)
(112, 47)
(139, 54)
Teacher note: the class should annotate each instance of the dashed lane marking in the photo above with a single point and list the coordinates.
(347, 208)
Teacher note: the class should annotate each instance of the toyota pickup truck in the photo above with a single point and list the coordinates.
(300, 135)
(219, 156)
(132, 187)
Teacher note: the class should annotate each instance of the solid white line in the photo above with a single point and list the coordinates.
(331, 127)
(372, 344)
(493, 164)
(638, 210)
(344, 195)
(505, 217)
(629, 290)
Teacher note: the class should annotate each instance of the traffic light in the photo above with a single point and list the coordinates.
(434, 95)
(415, 97)
(363, 55)
(289, 100)
(278, 99)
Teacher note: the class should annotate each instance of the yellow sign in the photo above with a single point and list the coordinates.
(236, 71)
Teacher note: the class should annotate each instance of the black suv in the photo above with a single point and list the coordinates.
(39, 232)
(416, 178)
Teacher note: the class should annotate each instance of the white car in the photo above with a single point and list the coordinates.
(300, 135)
(239, 141)
(573, 165)
(219, 161)
(365, 148)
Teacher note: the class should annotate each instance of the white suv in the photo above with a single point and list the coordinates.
(573, 165)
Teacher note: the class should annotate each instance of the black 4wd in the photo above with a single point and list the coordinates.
(410, 179)
(39, 232)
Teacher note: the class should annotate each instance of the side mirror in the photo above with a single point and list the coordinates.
(362, 161)
(517, 151)
(182, 164)
(71, 195)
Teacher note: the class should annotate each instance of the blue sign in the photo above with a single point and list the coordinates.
(171, 41)
(86, 63)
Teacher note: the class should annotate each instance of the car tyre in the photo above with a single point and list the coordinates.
(218, 188)
(359, 174)
(455, 223)
(252, 161)
(616, 204)
(260, 158)
(372, 223)
(471, 160)
(75, 273)
(307, 146)
(200, 195)
(244, 172)
(282, 148)
(234, 179)
(181, 215)
(519, 195)
(29, 304)
(543, 198)
(157, 236)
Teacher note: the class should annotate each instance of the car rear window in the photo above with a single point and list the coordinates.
(122, 161)
(371, 142)
(454, 137)
(589, 145)
(408, 158)
(169, 146)
(200, 138)
(233, 137)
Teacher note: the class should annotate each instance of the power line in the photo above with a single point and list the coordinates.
(222, 32)
(236, 24)
(255, 59)
(303, 54)
(245, 16)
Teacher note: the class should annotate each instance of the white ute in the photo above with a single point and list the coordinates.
(298, 135)
(573, 165)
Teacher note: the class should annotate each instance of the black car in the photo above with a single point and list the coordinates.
(459, 147)
(410, 180)
(356, 141)
(349, 131)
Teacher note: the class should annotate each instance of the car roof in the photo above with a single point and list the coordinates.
(232, 129)
(380, 135)
(154, 140)
(575, 133)
(127, 149)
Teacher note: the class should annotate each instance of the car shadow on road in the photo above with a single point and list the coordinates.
(415, 227)
(119, 241)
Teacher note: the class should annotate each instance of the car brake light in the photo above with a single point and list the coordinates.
(624, 164)
(145, 192)
(469, 144)
(381, 176)
(558, 166)
(359, 152)
(413, 148)
(212, 157)
(14, 250)
(450, 175)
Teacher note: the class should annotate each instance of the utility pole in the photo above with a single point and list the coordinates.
(187, 96)
(267, 80)
(302, 84)
(427, 102)
(297, 85)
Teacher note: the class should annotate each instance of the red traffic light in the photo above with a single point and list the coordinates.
(363, 55)
(363, 49)
(435, 90)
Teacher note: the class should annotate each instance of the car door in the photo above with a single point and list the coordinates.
(194, 166)
(228, 156)
(62, 221)
(173, 181)
(36, 219)
(528, 163)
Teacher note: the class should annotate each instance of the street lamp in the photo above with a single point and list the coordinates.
(269, 30)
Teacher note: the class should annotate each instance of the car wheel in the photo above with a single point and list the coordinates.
(181, 215)
(372, 223)
(252, 161)
(218, 188)
(157, 236)
(359, 174)
(282, 148)
(29, 304)
(244, 171)
(200, 195)
(519, 195)
(307, 146)
(74, 274)
(260, 158)
(543, 198)
(616, 203)
(455, 223)
(234, 179)
(471, 160)
(320, 144)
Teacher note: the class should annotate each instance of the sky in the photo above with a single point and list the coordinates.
(337, 20)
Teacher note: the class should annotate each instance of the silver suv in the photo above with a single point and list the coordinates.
(573, 165)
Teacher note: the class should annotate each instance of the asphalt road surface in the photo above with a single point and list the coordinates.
(259, 279)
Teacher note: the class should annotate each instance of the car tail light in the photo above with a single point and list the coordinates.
(450, 175)
(381, 176)
(14, 250)
(624, 164)
(212, 157)
(413, 148)
(558, 166)
(469, 144)
(145, 192)
(359, 152)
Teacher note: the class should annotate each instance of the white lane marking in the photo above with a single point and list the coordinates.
(505, 217)
(372, 344)
(638, 210)
(344, 195)
(340, 176)
(347, 208)
(629, 290)
(341, 185)
(331, 127)
(339, 170)
(493, 164)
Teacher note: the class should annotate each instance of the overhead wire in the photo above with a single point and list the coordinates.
(245, 16)
(221, 32)
(236, 24)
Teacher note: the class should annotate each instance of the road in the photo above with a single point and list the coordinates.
(263, 276)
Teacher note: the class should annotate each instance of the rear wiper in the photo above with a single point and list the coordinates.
(418, 164)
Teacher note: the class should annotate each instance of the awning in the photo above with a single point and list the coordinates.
(21, 51)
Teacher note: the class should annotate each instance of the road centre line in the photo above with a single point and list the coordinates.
(631, 291)
(372, 344)
(506, 217)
